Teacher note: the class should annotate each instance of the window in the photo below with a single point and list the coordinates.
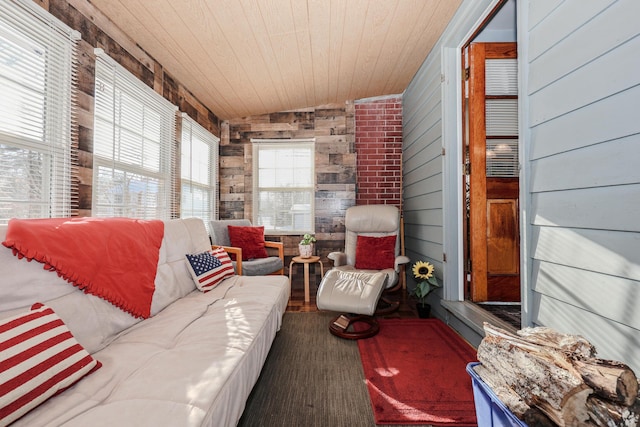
(38, 159)
(134, 146)
(284, 186)
(501, 116)
(198, 171)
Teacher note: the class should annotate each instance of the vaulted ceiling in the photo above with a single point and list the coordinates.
(248, 57)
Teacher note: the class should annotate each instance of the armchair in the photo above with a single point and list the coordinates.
(252, 267)
(366, 228)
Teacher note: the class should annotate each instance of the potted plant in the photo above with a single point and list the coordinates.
(423, 272)
(305, 247)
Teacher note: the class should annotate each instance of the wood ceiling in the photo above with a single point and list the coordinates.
(249, 57)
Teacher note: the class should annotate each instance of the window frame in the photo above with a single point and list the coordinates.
(257, 144)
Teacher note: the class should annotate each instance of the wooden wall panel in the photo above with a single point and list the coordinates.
(335, 161)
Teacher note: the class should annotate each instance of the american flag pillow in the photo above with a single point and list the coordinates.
(38, 358)
(210, 268)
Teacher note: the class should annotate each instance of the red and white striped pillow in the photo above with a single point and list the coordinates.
(38, 358)
(210, 268)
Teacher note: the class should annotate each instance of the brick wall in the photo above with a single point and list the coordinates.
(378, 143)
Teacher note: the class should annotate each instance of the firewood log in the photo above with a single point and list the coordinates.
(535, 417)
(505, 393)
(604, 413)
(609, 379)
(511, 399)
(542, 376)
(573, 345)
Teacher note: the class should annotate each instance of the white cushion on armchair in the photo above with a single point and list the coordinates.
(352, 292)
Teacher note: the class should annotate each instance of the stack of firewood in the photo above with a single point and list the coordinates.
(547, 378)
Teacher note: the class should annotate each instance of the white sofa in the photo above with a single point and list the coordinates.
(192, 363)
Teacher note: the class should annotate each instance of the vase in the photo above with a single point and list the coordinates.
(305, 250)
(424, 310)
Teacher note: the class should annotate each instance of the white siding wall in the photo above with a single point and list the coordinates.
(580, 71)
(423, 162)
(428, 174)
(422, 166)
(584, 151)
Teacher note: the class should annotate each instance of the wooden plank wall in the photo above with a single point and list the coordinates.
(98, 31)
(584, 146)
(333, 127)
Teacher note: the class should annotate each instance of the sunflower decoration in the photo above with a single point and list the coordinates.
(423, 272)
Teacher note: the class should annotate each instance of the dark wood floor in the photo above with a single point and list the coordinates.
(297, 303)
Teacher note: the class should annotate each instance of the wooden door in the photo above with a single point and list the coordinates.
(494, 237)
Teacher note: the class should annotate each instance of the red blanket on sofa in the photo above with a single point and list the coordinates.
(113, 258)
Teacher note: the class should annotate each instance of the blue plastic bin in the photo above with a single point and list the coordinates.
(490, 410)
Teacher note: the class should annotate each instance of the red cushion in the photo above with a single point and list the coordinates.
(375, 253)
(249, 239)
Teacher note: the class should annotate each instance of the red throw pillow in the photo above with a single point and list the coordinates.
(375, 253)
(249, 239)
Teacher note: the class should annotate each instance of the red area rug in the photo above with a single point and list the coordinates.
(415, 371)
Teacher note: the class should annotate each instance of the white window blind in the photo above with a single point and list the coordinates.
(38, 130)
(501, 78)
(501, 117)
(284, 185)
(199, 171)
(134, 145)
(502, 158)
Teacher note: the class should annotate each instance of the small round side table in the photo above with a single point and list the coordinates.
(306, 262)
